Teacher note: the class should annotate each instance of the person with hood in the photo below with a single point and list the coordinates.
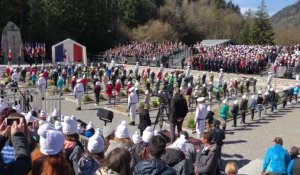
(155, 165)
(93, 157)
(244, 108)
(200, 116)
(175, 157)
(72, 146)
(235, 112)
(178, 109)
(207, 159)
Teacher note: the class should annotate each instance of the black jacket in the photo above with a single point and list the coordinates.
(22, 165)
(176, 159)
(207, 162)
(244, 105)
(218, 135)
(179, 107)
(235, 109)
(285, 95)
(153, 167)
(259, 100)
(272, 96)
(144, 119)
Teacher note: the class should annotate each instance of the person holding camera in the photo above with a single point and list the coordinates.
(178, 111)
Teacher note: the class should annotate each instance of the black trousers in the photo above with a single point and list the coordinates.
(252, 114)
(97, 96)
(243, 117)
(284, 103)
(173, 125)
(234, 116)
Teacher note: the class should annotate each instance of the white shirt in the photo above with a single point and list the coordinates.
(201, 112)
(41, 81)
(269, 81)
(79, 89)
(132, 98)
(15, 76)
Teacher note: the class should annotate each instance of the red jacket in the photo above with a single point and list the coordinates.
(84, 82)
(159, 75)
(7, 71)
(45, 74)
(127, 88)
(118, 87)
(109, 89)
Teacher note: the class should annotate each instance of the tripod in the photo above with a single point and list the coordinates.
(163, 111)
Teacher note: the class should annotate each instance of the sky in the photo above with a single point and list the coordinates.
(273, 6)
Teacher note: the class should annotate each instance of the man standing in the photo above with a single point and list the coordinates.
(269, 80)
(218, 135)
(42, 85)
(221, 77)
(207, 160)
(132, 102)
(201, 112)
(15, 76)
(243, 108)
(178, 109)
(235, 112)
(78, 91)
(259, 102)
(276, 159)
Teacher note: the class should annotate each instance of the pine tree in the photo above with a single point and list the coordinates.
(262, 28)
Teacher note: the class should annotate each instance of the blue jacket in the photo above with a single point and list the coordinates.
(296, 90)
(253, 104)
(276, 160)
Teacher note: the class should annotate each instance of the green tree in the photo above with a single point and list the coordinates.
(262, 28)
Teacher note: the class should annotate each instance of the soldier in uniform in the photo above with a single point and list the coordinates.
(243, 108)
(132, 103)
(78, 91)
(42, 85)
(201, 113)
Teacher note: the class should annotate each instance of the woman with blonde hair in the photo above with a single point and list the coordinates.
(231, 168)
(49, 158)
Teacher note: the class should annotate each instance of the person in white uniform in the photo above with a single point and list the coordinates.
(42, 85)
(132, 104)
(78, 91)
(221, 77)
(269, 80)
(201, 112)
(15, 76)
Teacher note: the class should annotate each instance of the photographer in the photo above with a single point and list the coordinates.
(178, 111)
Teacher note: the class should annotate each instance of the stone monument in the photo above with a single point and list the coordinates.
(11, 39)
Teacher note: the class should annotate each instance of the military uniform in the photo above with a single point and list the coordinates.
(132, 104)
(78, 91)
(42, 86)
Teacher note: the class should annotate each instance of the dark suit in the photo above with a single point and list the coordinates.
(144, 120)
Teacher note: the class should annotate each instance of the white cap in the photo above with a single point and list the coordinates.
(224, 101)
(253, 96)
(136, 138)
(147, 134)
(259, 92)
(58, 125)
(70, 125)
(51, 140)
(98, 83)
(209, 108)
(78, 80)
(90, 125)
(122, 130)
(189, 85)
(180, 144)
(244, 96)
(271, 89)
(96, 142)
(201, 99)
(235, 102)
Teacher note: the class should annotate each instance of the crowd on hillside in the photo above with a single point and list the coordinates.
(147, 151)
(148, 50)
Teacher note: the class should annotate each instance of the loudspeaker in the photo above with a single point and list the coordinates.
(105, 115)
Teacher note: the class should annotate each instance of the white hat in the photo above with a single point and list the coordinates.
(90, 125)
(277, 91)
(266, 93)
(128, 82)
(147, 134)
(70, 125)
(155, 132)
(180, 144)
(221, 69)
(58, 125)
(95, 76)
(29, 117)
(224, 101)
(147, 92)
(54, 113)
(235, 102)
(131, 89)
(96, 142)
(17, 108)
(122, 130)
(271, 89)
(41, 75)
(203, 85)
(189, 85)
(253, 96)
(107, 131)
(51, 140)
(200, 99)
(98, 83)
(136, 138)
(78, 80)
(259, 92)
(244, 96)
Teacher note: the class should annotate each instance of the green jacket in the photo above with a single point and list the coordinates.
(171, 80)
(224, 111)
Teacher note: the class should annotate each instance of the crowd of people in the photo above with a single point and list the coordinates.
(149, 51)
(147, 152)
